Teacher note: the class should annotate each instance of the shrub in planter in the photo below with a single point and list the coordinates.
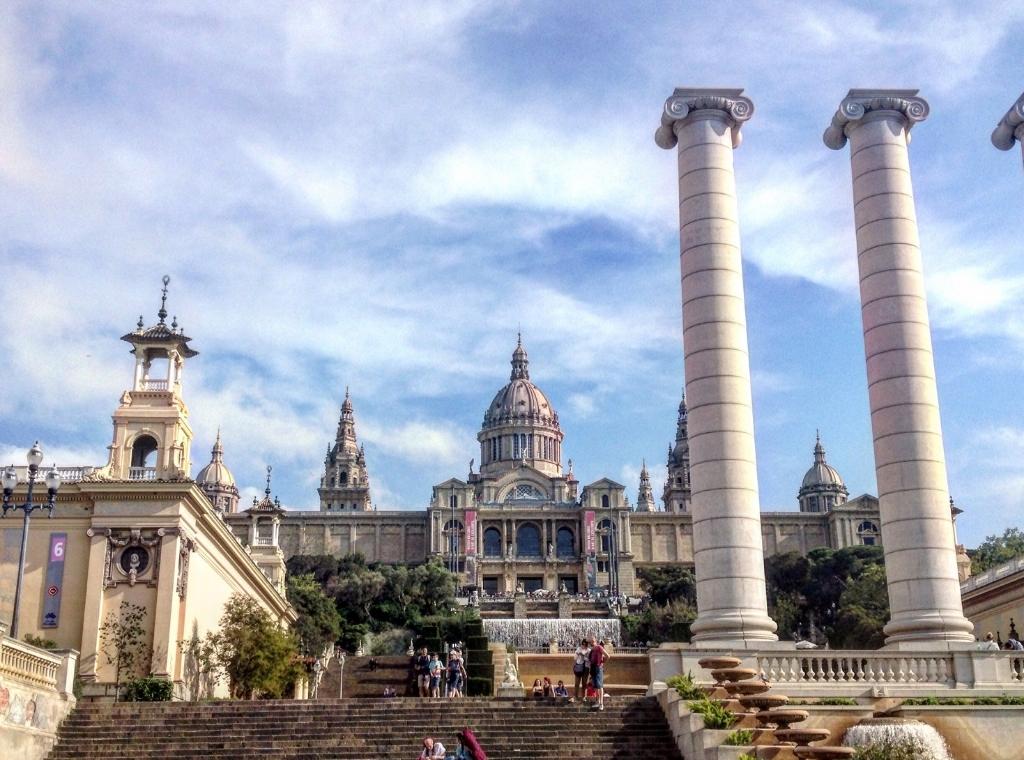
(685, 686)
(741, 737)
(148, 690)
(715, 715)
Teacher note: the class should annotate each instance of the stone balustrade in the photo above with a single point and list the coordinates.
(28, 663)
(992, 574)
(852, 673)
(35, 696)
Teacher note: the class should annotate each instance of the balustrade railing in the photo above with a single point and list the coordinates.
(154, 385)
(857, 668)
(28, 663)
(142, 473)
(67, 474)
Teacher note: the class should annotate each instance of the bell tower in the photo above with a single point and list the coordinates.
(152, 435)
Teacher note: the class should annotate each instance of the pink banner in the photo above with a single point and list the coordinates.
(590, 531)
(470, 532)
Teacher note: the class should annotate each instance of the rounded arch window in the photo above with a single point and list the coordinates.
(528, 541)
(492, 542)
(604, 501)
(453, 536)
(565, 543)
(868, 532)
(143, 451)
(605, 528)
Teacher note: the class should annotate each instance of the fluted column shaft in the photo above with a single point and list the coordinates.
(728, 554)
(913, 492)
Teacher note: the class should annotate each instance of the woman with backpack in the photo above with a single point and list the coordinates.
(581, 669)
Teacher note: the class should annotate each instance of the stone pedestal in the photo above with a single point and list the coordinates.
(519, 606)
(728, 555)
(913, 493)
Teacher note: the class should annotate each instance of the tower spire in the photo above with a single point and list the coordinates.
(163, 300)
(269, 470)
(520, 364)
(645, 497)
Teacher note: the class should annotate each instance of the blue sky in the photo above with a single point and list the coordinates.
(378, 194)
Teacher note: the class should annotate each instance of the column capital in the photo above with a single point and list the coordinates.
(732, 107)
(1011, 127)
(903, 104)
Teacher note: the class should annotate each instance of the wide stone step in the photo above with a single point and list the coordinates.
(355, 729)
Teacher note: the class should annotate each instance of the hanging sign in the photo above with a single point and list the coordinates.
(54, 580)
(590, 532)
(470, 532)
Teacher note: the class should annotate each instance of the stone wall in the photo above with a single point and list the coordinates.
(35, 696)
(622, 670)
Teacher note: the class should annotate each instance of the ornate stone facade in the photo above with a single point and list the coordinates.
(345, 484)
(521, 520)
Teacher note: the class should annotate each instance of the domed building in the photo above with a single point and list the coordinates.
(217, 482)
(822, 488)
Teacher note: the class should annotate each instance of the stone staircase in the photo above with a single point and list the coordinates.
(363, 683)
(354, 729)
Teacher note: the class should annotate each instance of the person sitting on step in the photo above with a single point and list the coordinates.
(560, 691)
(432, 750)
(548, 688)
(538, 688)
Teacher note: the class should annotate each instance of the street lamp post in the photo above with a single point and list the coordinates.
(613, 560)
(10, 482)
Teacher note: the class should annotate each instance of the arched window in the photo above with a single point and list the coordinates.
(606, 539)
(453, 536)
(565, 544)
(143, 450)
(344, 478)
(492, 542)
(604, 501)
(528, 541)
(868, 533)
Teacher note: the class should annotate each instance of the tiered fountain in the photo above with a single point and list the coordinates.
(754, 694)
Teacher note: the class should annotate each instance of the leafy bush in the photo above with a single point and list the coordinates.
(837, 701)
(148, 689)
(715, 715)
(934, 701)
(741, 737)
(658, 623)
(904, 748)
(685, 686)
(39, 641)
(745, 756)
(394, 641)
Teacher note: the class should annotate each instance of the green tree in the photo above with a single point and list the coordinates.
(659, 623)
(863, 611)
(319, 624)
(668, 584)
(996, 550)
(433, 587)
(123, 642)
(259, 659)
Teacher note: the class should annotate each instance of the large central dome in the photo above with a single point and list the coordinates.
(520, 425)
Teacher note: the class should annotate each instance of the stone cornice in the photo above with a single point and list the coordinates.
(1011, 127)
(859, 103)
(733, 107)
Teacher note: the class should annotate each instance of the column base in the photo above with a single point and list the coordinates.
(736, 630)
(929, 631)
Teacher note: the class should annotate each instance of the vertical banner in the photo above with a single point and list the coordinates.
(470, 532)
(590, 532)
(54, 580)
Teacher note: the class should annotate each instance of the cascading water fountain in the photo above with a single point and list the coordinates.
(929, 742)
(537, 634)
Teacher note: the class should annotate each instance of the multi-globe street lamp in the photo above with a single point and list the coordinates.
(10, 482)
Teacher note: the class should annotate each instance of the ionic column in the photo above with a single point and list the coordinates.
(910, 466)
(728, 555)
(1011, 127)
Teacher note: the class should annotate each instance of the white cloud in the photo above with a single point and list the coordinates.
(436, 443)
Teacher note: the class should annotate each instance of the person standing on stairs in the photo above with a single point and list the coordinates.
(598, 657)
(422, 666)
(434, 669)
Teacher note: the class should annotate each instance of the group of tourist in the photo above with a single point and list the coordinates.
(588, 676)
(468, 748)
(430, 671)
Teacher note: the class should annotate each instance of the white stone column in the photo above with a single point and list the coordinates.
(728, 554)
(1010, 129)
(913, 492)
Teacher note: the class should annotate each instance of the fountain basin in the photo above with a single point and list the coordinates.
(744, 688)
(782, 717)
(764, 701)
(733, 674)
(802, 736)
(824, 753)
(719, 663)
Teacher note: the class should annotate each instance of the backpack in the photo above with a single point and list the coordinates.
(580, 663)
